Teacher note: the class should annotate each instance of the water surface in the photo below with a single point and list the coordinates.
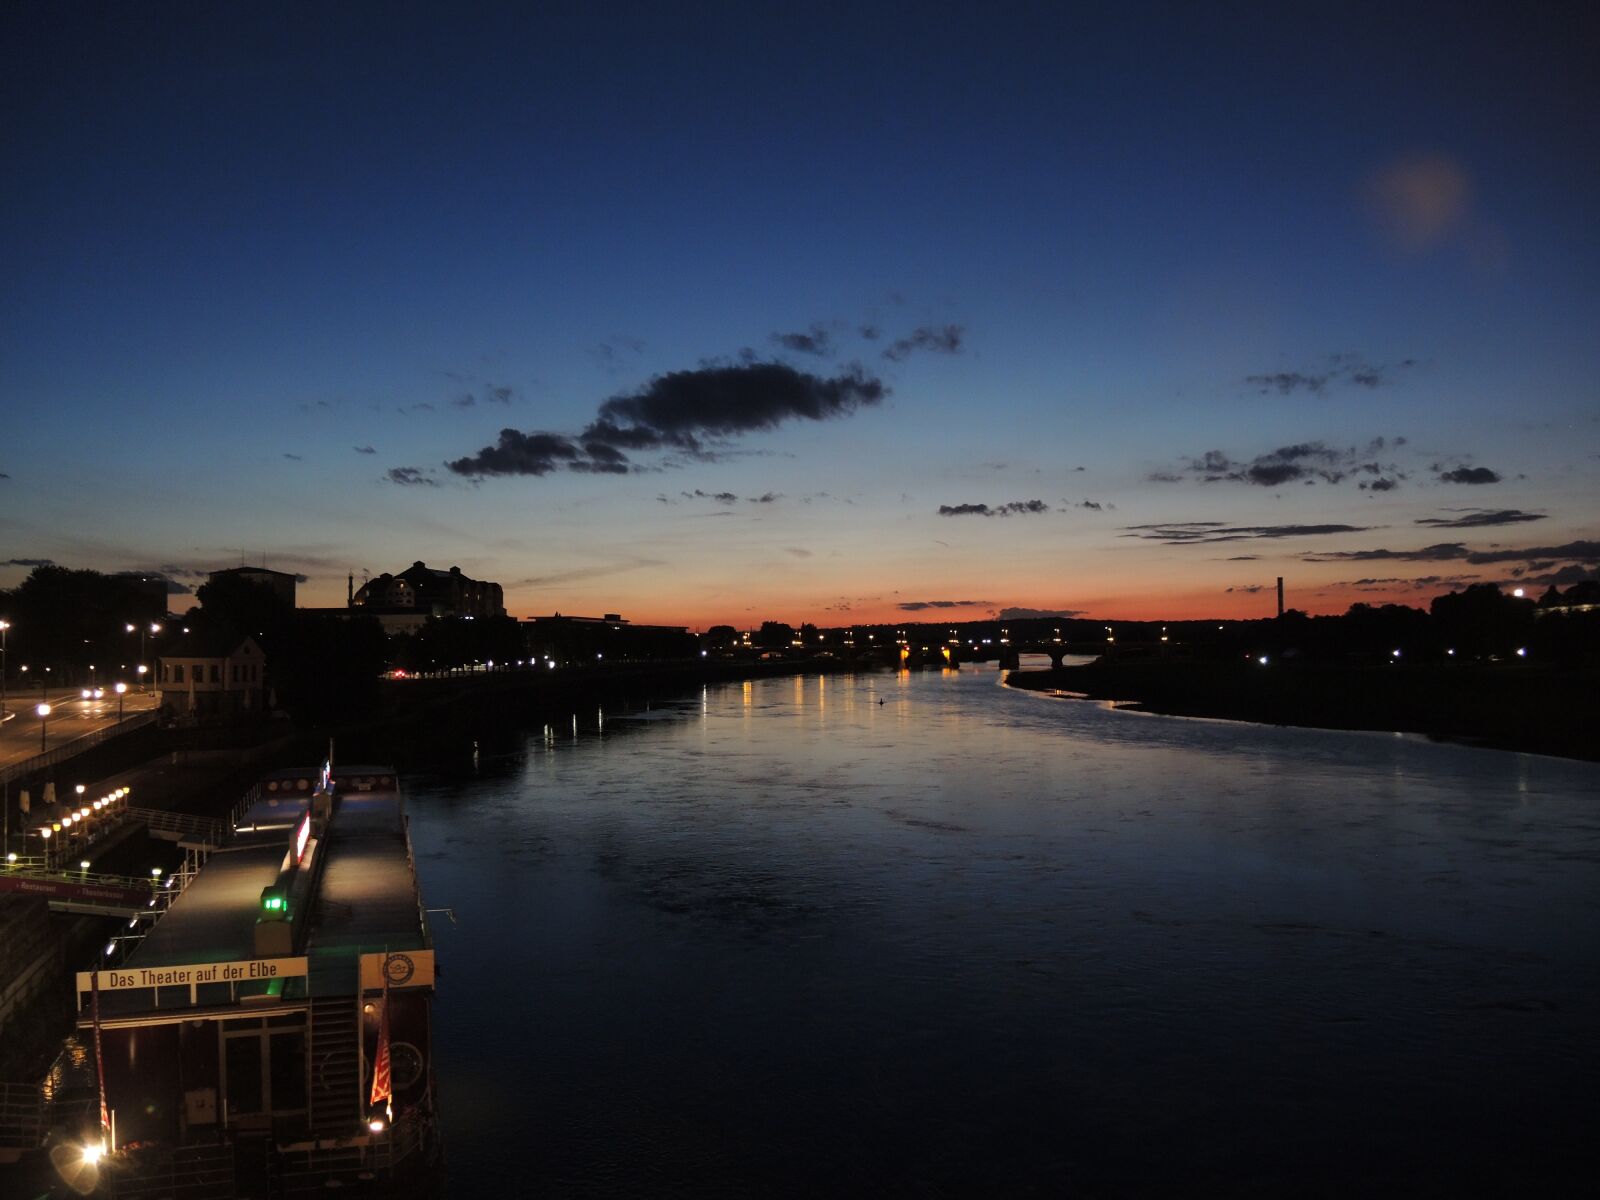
(929, 936)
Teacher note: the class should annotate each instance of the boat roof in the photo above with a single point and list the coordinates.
(366, 898)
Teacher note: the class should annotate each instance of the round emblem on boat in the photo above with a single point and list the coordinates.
(398, 969)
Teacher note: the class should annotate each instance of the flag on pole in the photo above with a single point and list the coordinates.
(381, 1089)
(99, 1055)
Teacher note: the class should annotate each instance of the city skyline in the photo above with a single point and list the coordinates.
(895, 316)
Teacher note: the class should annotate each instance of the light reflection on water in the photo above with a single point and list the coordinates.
(931, 936)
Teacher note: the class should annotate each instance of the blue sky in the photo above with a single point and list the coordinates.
(271, 269)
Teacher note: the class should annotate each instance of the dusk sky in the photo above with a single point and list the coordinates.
(721, 313)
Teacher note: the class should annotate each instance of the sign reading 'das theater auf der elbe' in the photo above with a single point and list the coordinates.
(249, 970)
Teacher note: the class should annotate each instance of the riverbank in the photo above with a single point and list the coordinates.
(1531, 708)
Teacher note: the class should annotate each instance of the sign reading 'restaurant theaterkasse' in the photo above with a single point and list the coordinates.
(250, 970)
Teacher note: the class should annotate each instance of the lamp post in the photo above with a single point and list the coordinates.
(44, 713)
(4, 625)
(153, 628)
(121, 689)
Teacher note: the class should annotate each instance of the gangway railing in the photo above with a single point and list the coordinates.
(181, 827)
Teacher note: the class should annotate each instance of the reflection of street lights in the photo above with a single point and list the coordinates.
(44, 712)
(121, 690)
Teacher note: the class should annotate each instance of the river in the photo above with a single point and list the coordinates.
(926, 935)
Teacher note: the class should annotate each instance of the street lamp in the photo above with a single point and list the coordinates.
(44, 712)
(121, 689)
(154, 628)
(4, 625)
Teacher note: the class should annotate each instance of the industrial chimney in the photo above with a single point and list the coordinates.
(1280, 595)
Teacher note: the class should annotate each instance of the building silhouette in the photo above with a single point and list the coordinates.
(420, 591)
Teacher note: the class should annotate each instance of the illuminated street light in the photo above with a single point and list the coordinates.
(4, 625)
(154, 628)
(43, 711)
(121, 689)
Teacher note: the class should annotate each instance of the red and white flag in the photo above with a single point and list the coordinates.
(381, 1089)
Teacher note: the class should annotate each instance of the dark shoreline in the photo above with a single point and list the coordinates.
(1528, 708)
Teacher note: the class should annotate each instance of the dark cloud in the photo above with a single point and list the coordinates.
(1340, 368)
(465, 401)
(1304, 462)
(816, 341)
(924, 605)
(1419, 583)
(679, 412)
(1242, 558)
(1441, 552)
(679, 408)
(936, 340)
(579, 574)
(1010, 509)
(292, 457)
(870, 332)
(1481, 517)
(1192, 533)
(313, 406)
(603, 460)
(1378, 485)
(599, 466)
(1287, 382)
(1035, 614)
(1249, 589)
(675, 412)
(410, 477)
(363, 449)
(1570, 574)
(1585, 552)
(1469, 475)
(727, 497)
(1094, 505)
(30, 562)
(496, 394)
(797, 551)
(419, 406)
(515, 453)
